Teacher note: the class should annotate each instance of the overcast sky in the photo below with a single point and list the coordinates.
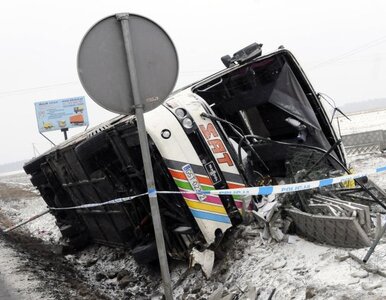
(340, 44)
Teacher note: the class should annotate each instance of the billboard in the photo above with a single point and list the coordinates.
(61, 113)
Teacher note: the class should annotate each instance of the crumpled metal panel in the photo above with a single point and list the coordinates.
(337, 231)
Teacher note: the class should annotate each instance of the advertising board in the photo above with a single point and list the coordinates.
(60, 114)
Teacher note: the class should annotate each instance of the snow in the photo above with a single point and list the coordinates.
(22, 209)
(294, 267)
(21, 285)
(18, 172)
(361, 122)
(44, 228)
(291, 268)
(370, 161)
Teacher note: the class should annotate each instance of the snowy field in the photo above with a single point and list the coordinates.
(361, 122)
(19, 200)
(292, 269)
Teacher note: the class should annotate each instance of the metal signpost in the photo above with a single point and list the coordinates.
(146, 158)
(127, 62)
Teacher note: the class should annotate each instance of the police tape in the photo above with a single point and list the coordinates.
(294, 187)
(247, 191)
(92, 205)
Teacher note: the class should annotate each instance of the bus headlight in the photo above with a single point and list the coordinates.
(180, 113)
(187, 123)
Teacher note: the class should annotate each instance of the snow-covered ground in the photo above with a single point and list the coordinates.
(370, 161)
(294, 268)
(361, 122)
(19, 201)
(19, 285)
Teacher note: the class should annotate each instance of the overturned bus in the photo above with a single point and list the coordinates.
(255, 123)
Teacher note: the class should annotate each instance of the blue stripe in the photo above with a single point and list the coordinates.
(152, 192)
(325, 182)
(208, 216)
(265, 190)
(381, 169)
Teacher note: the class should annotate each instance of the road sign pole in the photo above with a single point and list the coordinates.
(139, 110)
(64, 130)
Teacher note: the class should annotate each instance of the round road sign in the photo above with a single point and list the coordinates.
(103, 68)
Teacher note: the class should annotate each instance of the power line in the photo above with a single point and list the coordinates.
(351, 52)
(26, 90)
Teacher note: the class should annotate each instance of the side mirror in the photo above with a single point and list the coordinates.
(244, 55)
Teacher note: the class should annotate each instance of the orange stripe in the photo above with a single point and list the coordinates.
(204, 180)
(235, 185)
(181, 175)
(178, 175)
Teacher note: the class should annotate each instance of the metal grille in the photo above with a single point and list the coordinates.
(364, 142)
(362, 149)
(337, 231)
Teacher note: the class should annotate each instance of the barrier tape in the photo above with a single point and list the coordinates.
(91, 205)
(248, 191)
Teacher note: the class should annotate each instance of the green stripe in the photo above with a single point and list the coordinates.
(183, 184)
(186, 185)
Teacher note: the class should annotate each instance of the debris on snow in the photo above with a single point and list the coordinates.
(360, 274)
(371, 286)
(205, 259)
